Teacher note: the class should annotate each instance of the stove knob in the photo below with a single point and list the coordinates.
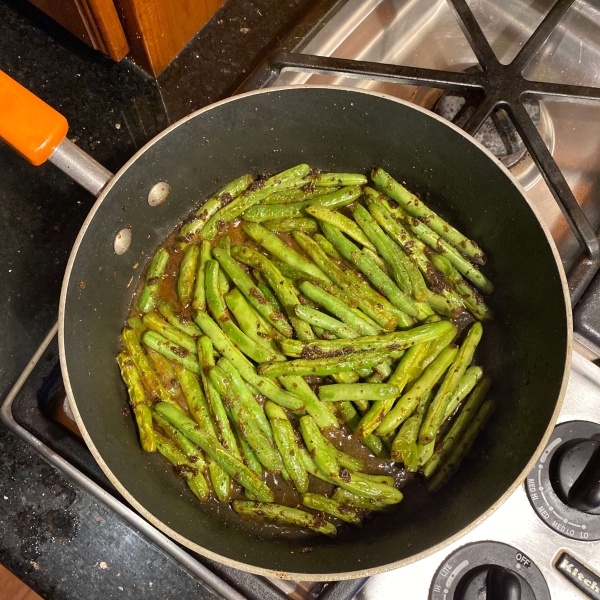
(576, 475)
(500, 584)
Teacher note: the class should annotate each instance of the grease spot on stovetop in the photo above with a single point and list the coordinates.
(35, 529)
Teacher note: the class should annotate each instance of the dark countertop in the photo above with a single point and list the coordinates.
(55, 536)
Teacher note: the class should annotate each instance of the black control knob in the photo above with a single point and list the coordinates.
(498, 582)
(564, 485)
(575, 475)
(502, 584)
(488, 571)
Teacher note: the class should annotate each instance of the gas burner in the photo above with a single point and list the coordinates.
(498, 133)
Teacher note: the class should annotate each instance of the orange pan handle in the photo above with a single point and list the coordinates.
(39, 133)
(32, 127)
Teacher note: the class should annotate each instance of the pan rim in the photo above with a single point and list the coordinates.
(261, 570)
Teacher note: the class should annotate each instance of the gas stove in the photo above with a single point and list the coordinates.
(538, 111)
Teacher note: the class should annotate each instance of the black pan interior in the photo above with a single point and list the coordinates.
(524, 350)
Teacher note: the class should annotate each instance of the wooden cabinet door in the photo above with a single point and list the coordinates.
(95, 22)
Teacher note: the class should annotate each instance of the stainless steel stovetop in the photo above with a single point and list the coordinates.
(532, 530)
(425, 33)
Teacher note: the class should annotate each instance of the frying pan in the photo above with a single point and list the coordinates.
(526, 350)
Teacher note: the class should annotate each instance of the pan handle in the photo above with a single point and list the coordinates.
(39, 133)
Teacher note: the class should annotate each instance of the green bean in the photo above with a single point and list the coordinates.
(380, 211)
(331, 507)
(190, 472)
(249, 198)
(380, 315)
(336, 199)
(226, 435)
(314, 317)
(327, 247)
(344, 297)
(153, 280)
(329, 179)
(136, 324)
(390, 251)
(178, 319)
(436, 346)
(352, 318)
(187, 275)
(149, 377)
(345, 459)
(155, 323)
(249, 322)
(269, 294)
(351, 500)
(410, 400)
(404, 372)
(361, 405)
(166, 374)
(191, 451)
(352, 419)
(437, 410)
(292, 224)
(328, 463)
(398, 340)
(224, 243)
(282, 251)
(471, 297)
(370, 269)
(454, 434)
(248, 456)
(341, 222)
(231, 465)
(246, 397)
(254, 296)
(312, 469)
(221, 481)
(416, 208)
(222, 343)
(385, 479)
(433, 240)
(469, 380)
(199, 300)
(191, 230)
(171, 351)
(318, 410)
(221, 315)
(328, 366)
(404, 321)
(405, 445)
(358, 391)
(285, 292)
(285, 515)
(464, 446)
(295, 195)
(137, 400)
(249, 428)
(195, 400)
(285, 439)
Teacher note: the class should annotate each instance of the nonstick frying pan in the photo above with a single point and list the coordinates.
(526, 350)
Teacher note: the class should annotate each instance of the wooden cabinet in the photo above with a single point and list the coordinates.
(151, 32)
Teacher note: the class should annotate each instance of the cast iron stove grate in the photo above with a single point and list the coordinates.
(493, 86)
